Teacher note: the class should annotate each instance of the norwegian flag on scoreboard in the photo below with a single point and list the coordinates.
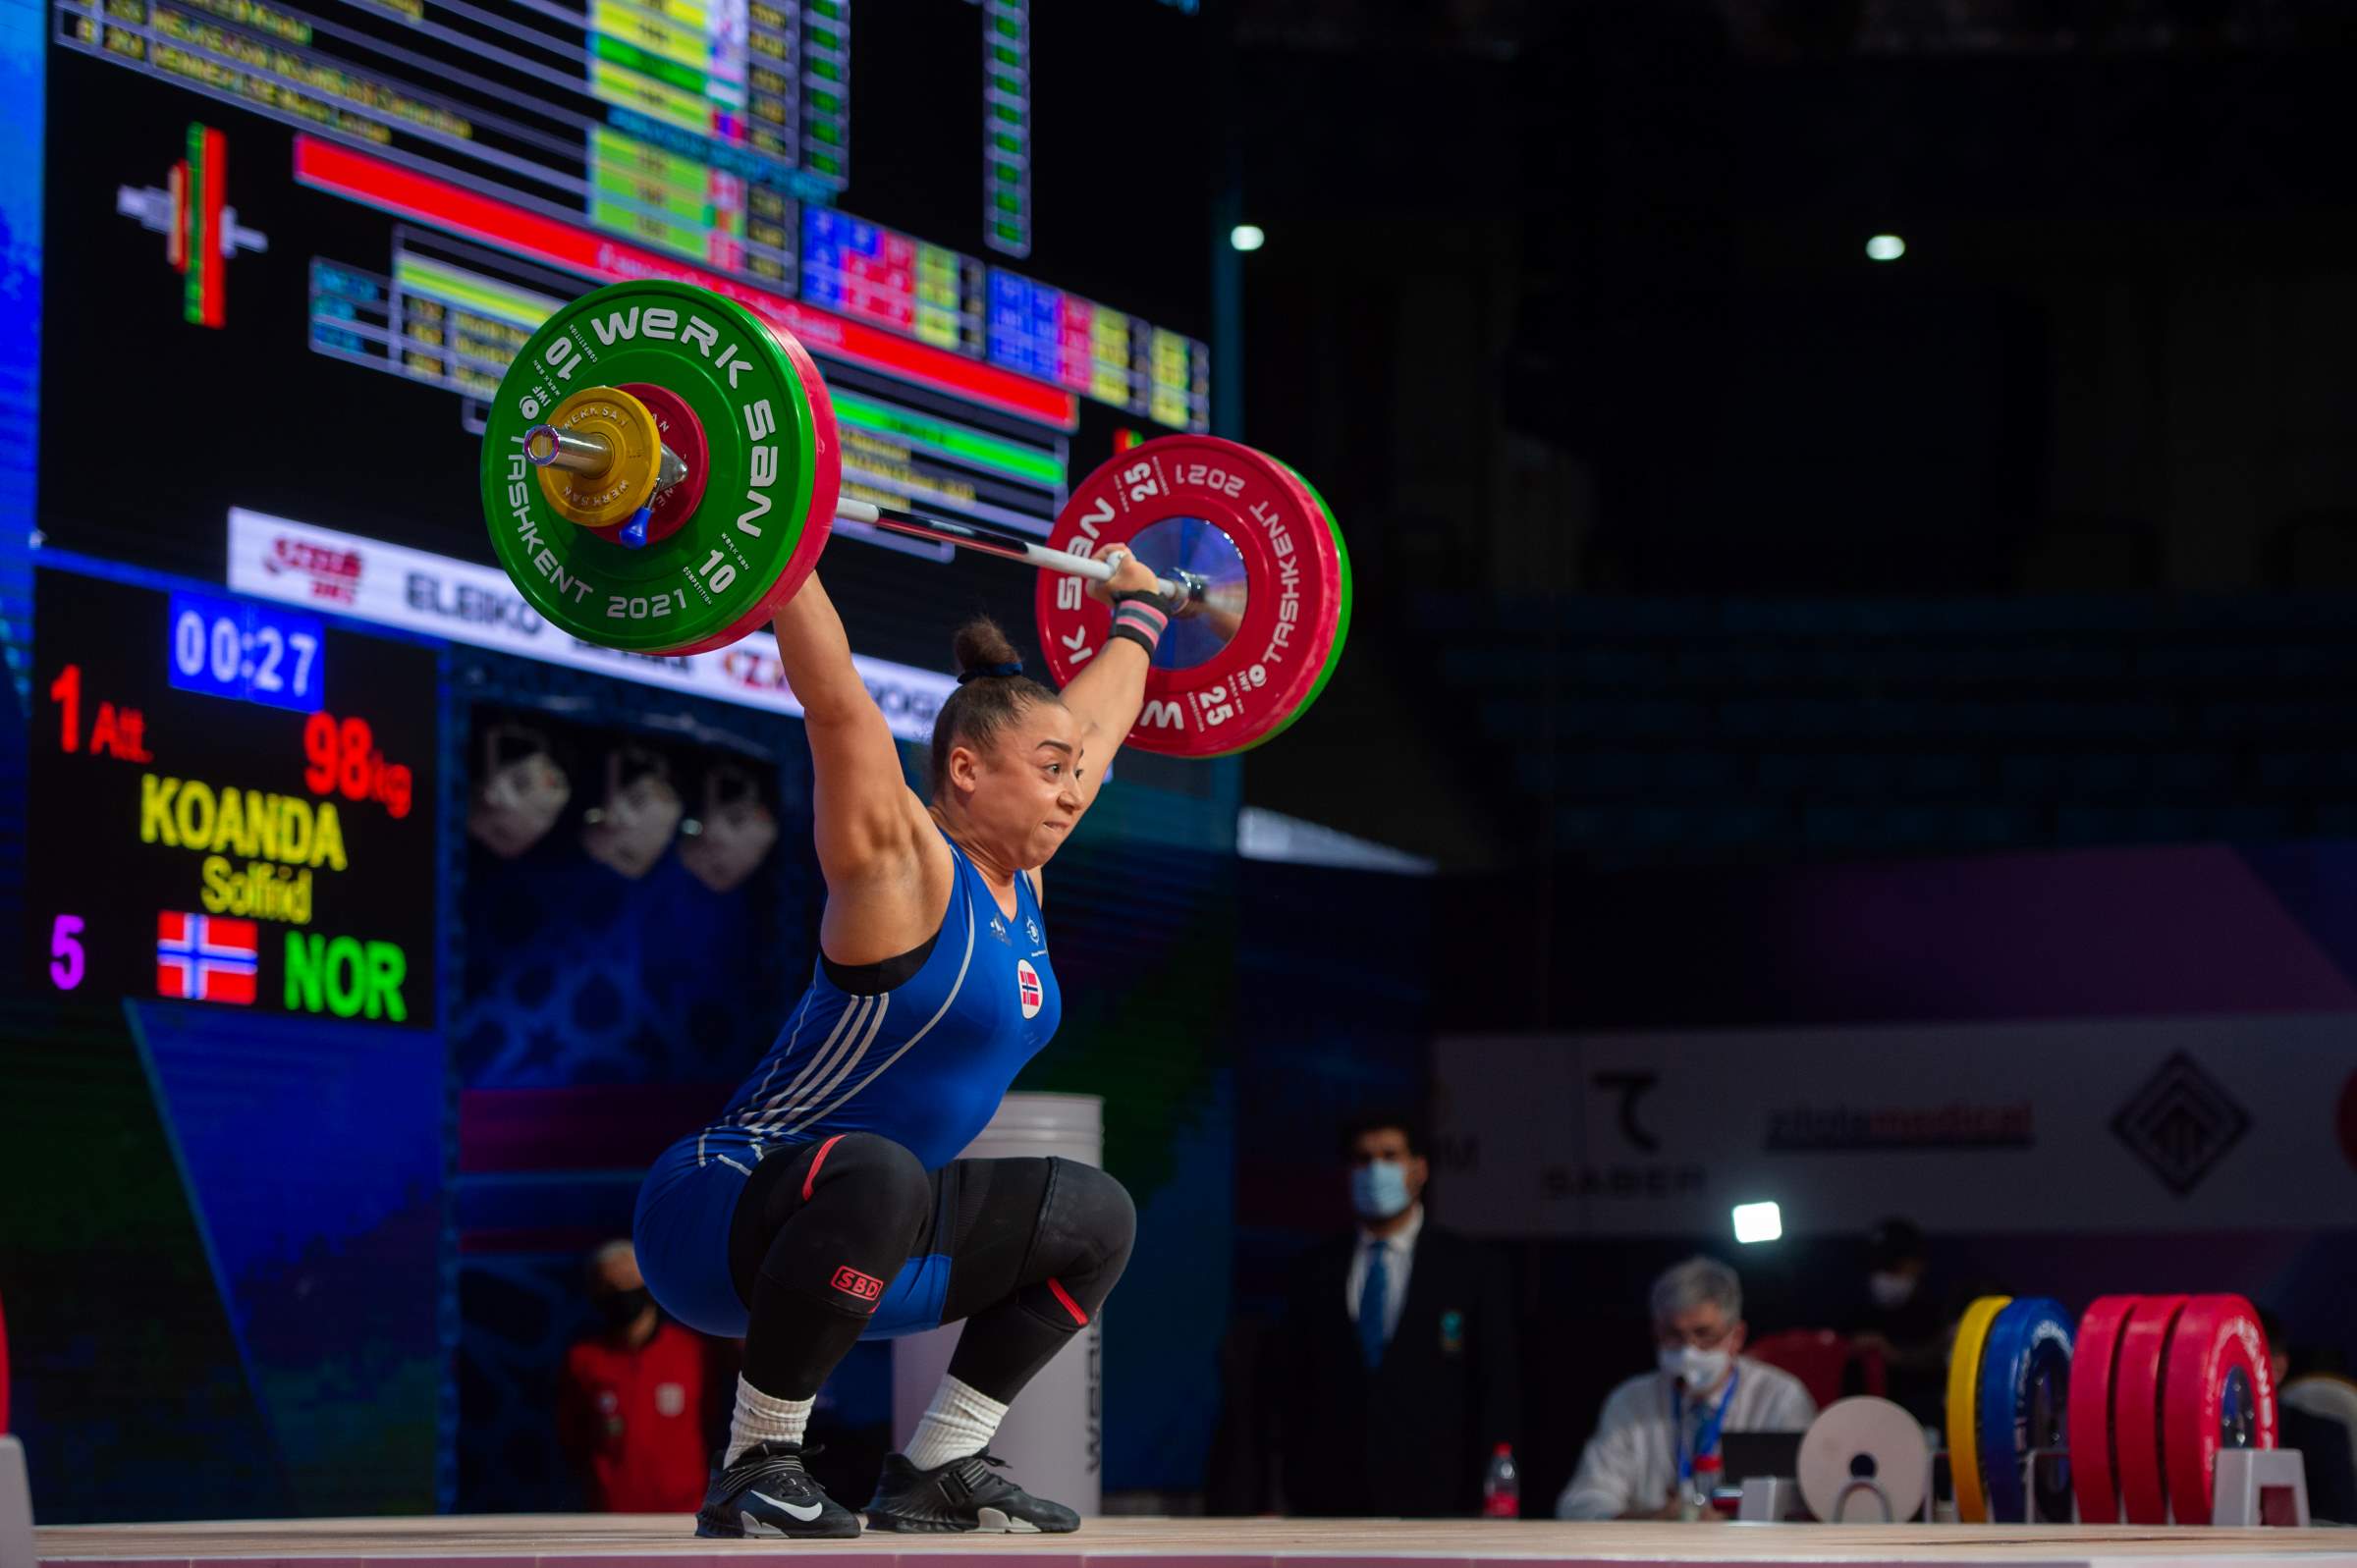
(203, 959)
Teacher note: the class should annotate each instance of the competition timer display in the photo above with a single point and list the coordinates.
(230, 804)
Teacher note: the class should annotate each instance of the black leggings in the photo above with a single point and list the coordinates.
(1035, 1247)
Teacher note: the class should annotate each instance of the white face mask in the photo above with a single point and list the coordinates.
(1888, 1291)
(1696, 1369)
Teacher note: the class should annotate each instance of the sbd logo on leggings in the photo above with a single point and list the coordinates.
(851, 1282)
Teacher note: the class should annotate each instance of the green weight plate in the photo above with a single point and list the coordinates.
(718, 571)
(826, 487)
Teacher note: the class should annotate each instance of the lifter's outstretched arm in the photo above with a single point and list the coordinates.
(862, 803)
(1110, 689)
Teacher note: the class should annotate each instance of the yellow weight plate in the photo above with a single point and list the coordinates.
(1964, 1408)
(630, 430)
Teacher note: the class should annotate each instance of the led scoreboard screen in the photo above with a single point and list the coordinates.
(329, 226)
(230, 803)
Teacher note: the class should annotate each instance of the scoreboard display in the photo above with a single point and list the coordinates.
(329, 225)
(230, 803)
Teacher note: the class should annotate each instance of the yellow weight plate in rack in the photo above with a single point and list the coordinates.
(1963, 1407)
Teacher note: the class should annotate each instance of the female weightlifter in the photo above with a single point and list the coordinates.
(827, 1203)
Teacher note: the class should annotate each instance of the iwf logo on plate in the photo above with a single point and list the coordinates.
(1026, 987)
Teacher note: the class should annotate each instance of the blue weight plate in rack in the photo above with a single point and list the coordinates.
(2024, 1399)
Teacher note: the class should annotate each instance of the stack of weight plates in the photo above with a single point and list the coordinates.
(2161, 1385)
(2143, 1398)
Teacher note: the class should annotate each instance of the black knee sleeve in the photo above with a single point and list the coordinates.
(860, 1207)
(1081, 1234)
(1087, 1225)
(839, 1222)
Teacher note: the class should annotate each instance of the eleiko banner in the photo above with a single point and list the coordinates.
(272, 558)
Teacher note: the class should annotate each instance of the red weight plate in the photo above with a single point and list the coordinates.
(684, 434)
(826, 489)
(826, 484)
(1291, 613)
(2217, 1392)
(2094, 1365)
(2136, 1384)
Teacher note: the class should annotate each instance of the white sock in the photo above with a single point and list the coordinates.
(764, 1418)
(958, 1422)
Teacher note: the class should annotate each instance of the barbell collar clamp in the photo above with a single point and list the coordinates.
(547, 447)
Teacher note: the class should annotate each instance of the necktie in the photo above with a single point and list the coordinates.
(1374, 1300)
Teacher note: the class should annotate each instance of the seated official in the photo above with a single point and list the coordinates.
(1655, 1425)
(1898, 1316)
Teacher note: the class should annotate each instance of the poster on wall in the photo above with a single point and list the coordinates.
(230, 803)
(2124, 1124)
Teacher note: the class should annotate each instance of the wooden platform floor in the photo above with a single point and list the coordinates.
(576, 1541)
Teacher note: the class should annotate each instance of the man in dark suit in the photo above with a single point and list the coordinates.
(1395, 1369)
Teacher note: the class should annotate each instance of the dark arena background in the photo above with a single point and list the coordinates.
(1841, 758)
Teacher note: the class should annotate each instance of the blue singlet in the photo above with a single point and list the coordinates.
(923, 1064)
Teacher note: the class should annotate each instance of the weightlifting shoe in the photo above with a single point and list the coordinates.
(962, 1495)
(768, 1492)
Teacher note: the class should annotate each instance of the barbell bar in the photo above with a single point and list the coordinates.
(591, 457)
(662, 470)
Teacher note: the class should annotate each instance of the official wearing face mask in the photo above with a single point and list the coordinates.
(1395, 1373)
(1898, 1318)
(631, 1403)
(1654, 1426)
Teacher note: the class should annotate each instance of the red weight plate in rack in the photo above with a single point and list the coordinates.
(2094, 1368)
(2217, 1391)
(2136, 1409)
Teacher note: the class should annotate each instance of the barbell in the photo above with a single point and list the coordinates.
(661, 472)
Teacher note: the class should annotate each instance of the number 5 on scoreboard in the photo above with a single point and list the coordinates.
(66, 964)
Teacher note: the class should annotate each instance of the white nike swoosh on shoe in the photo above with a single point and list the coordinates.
(804, 1511)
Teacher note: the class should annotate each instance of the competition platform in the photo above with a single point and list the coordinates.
(568, 1540)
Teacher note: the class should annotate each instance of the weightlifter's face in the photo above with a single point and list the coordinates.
(1027, 788)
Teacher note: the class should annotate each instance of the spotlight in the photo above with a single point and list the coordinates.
(629, 830)
(1758, 1221)
(1247, 237)
(1885, 247)
(520, 794)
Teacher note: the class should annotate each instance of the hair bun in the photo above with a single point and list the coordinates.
(980, 648)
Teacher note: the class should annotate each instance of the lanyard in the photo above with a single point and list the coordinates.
(1706, 1436)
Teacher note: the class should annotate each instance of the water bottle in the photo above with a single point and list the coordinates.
(1501, 1487)
(1698, 1501)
